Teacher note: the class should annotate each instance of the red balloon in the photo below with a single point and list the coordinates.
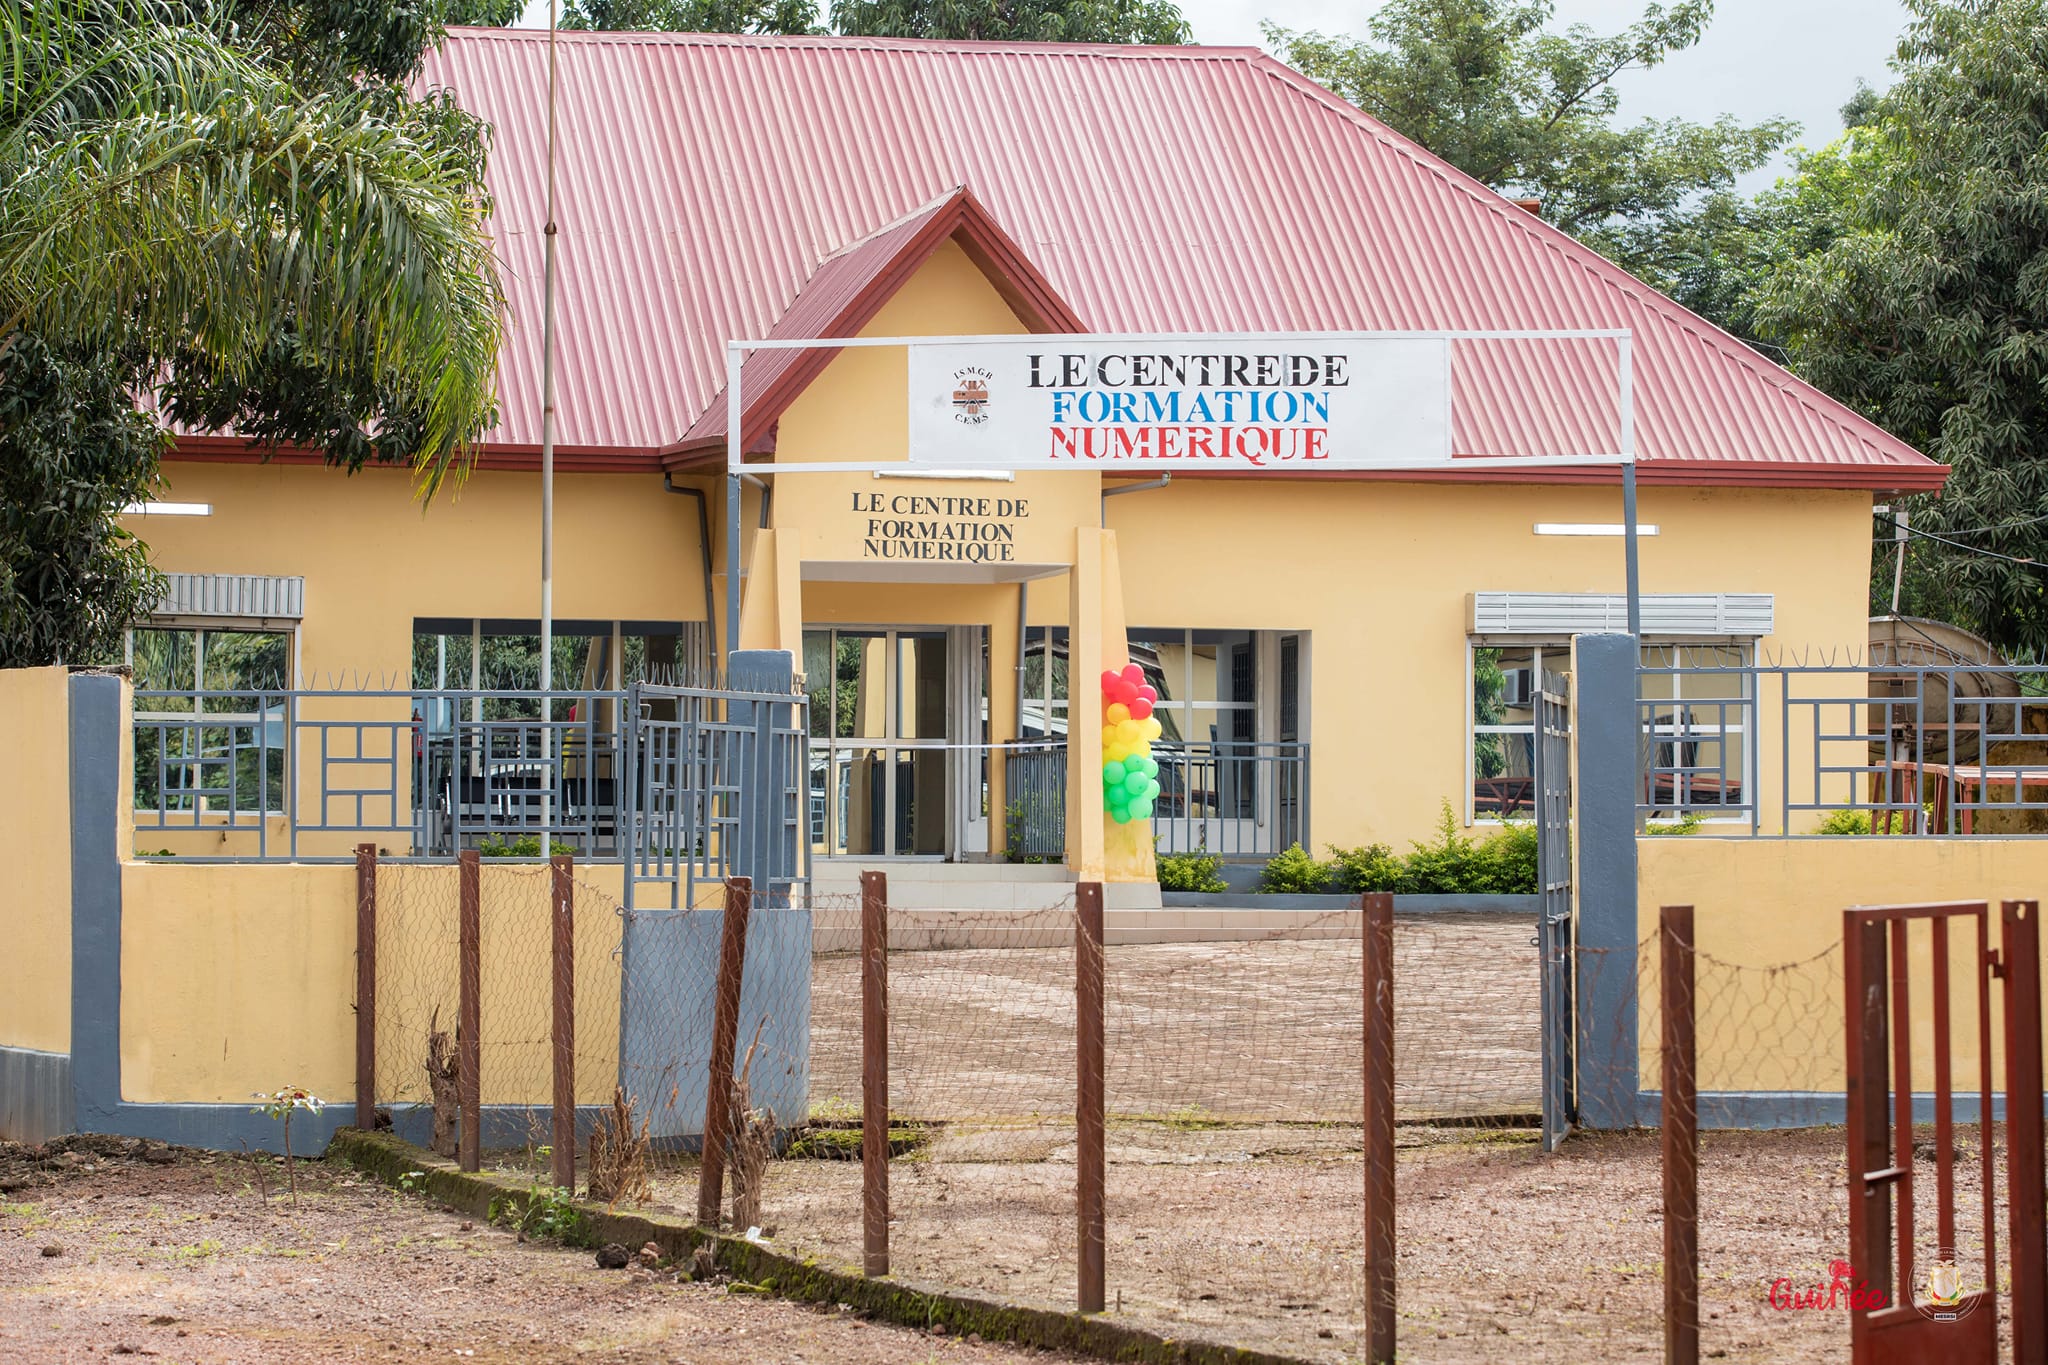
(1123, 692)
(1134, 675)
(1150, 695)
(1110, 679)
(1140, 708)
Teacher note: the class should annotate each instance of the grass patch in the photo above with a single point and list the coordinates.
(828, 1142)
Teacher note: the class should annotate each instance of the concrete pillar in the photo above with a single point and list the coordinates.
(1604, 786)
(1085, 662)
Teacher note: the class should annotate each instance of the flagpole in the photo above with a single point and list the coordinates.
(547, 468)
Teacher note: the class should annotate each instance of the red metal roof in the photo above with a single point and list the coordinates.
(716, 187)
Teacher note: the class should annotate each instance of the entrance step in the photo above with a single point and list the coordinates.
(946, 886)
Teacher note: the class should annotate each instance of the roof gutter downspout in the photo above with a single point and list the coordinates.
(1108, 493)
(668, 481)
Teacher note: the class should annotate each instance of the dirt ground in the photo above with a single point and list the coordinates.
(1250, 1235)
(1269, 1029)
(110, 1249)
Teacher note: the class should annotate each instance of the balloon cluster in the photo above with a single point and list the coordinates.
(1130, 775)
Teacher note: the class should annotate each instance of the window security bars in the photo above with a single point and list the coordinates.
(1949, 750)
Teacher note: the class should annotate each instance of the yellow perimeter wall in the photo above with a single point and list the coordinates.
(1760, 904)
(238, 979)
(35, 811)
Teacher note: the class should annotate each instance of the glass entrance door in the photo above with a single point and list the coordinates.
(885, 731)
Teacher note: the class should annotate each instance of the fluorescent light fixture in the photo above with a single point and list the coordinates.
(963, 475)
(1592, 528)
(168, 509)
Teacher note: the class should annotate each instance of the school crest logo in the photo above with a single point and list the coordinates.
(970, 395)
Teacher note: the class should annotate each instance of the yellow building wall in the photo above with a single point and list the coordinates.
(1768, 929)
(35, 812)
(241, 978)
(374, 558)
(1380, 574)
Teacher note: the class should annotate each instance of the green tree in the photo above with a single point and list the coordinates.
(1486, 85)
(73, 452)
(174, 208)
(694, 16)
(1033, 21)
(1927, 305)
(1052, 21)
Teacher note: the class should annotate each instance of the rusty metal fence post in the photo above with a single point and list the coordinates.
(874, 1073)
(2020, 944)
(1377, 934)
(1680, 1136)
(469, 1152)
(366, 986)
(562, 901)
(725, 1033)
(1090, 1169)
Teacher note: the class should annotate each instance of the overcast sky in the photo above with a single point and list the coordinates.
(1800, 58)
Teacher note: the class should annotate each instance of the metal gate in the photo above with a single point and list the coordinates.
(1943, 1307)
(1554, 881)
(716, 786)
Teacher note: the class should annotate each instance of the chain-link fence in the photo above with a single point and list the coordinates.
(1233, 1125)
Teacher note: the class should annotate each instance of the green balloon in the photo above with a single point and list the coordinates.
(1112, 773)
(1134, 783)
(1151, 766)
(1120, 813)
(1151, 792)
(1141, 810)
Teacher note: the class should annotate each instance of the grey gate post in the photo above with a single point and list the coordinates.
(1609, 773)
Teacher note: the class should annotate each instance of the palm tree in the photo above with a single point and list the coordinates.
(162, 193)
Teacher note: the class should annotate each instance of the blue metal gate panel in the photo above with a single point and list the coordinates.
(669, 979)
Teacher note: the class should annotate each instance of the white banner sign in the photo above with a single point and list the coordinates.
(1270, 403)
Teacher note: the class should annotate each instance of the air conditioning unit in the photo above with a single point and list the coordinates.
(1518, 687)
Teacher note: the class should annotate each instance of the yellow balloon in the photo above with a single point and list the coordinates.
(1115, 753)
(1111, 737)
(1129, 731)
(1117, 713)
(1152, 728)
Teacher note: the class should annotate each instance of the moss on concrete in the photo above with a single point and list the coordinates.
(766, 1270)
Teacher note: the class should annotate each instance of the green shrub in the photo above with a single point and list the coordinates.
(1375, 867)
(1191, 872)
(1452, 864)
(1688, 823)
(1509, 857)
(1448, 865)
(1845, 822)
(525, 846)
(1295, 872)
